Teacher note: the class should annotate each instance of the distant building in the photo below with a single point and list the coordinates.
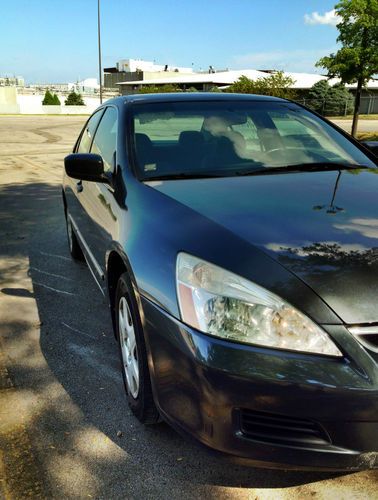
(222, 79)
(12, 81)
(135, 65)
(56, 87)
(139, 70)
(87, 86)
(203, 81)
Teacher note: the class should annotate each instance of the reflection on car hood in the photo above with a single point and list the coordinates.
(323, 226)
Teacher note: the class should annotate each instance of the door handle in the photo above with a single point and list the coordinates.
(79, 187)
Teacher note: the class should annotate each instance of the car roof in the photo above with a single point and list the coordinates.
(190, 96)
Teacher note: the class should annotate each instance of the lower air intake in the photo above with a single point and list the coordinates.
(277, 429)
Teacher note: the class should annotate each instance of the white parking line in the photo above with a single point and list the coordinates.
(54, 255)
(53, 289)
(50, 274)
(78, 331)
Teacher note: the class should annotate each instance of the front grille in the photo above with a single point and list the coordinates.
(367, 336)
(278, 429)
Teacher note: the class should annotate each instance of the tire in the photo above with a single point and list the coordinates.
(132, 350)
(73, 244)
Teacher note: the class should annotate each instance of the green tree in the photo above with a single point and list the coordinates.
(339, 101)
(74, 99)
(276, 84)
(48, 100)
(157, 89)
(357, 60)
(56, 100)
(330, 101)
(317, 95)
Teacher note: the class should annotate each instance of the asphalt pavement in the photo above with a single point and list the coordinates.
(65, 427)
(363, 125)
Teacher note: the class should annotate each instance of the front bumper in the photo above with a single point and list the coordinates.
(265, 406)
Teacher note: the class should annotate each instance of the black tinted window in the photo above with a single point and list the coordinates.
(105, 141)
(88, 133)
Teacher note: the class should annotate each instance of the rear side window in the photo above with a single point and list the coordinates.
(105, 141)
(88, 133)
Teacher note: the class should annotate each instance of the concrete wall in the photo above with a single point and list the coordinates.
(29, 104)
(8, 100)
(32, 104)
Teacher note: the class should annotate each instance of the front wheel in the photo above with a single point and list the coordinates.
(135, 372)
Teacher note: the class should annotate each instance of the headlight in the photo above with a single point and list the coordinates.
(220, 303)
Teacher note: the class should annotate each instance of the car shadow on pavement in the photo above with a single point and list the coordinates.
(86, 440)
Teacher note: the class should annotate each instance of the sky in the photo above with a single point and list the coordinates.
(51, 41)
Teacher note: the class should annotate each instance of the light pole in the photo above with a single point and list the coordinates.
(99, 48)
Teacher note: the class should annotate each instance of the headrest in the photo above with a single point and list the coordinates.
(142, 141)
(191, 139)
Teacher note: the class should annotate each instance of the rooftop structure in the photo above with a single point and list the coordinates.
(135, 65)
(12, 81)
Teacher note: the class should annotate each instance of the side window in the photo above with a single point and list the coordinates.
(105, 141)
(88, 133)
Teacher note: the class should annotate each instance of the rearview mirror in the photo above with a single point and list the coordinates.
(85, 167)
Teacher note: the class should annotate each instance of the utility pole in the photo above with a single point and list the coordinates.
(99, 48)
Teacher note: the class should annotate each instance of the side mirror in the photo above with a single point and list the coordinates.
(85, 167)
(372, 146)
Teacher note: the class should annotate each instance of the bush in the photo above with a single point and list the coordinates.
(74, 99)
(330, 101)
(49, 99)
(339, 101)
(276, 84)
(56, 100)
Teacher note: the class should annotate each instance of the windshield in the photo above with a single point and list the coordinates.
(189, 139)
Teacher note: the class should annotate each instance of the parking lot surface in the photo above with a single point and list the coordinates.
(65, 428)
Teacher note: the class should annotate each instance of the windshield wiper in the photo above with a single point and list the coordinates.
(171, 177)
(298, 167)
(303, 167)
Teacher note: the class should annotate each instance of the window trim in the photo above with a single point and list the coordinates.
(86, 123)
(114, 171)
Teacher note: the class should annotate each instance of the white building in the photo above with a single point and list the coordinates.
(222, 79)
(12, 81)
(134, 65)
(87, 86)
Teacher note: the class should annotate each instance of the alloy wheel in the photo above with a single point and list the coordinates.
(128, 347)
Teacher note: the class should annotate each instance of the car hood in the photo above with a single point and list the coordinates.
(322, 226)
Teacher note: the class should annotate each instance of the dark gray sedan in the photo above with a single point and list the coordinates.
(237, 240)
